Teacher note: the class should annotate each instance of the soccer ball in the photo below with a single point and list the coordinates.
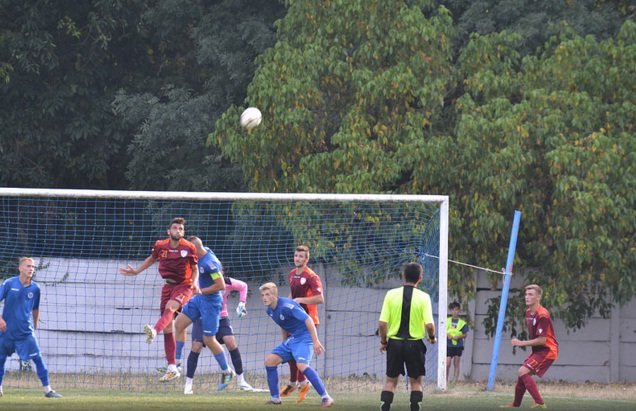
(251, 118)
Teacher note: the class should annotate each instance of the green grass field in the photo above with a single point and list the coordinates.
(462, 397)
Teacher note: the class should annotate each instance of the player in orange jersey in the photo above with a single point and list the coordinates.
(545, 348)
(178, 268)
(306, 290)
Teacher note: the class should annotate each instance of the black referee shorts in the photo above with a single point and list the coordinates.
(409, 353)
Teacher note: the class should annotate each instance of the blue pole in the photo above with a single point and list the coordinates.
(504, 300)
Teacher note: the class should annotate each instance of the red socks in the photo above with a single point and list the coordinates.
(170, 347)
(520, 389)
(531, 386)
(294, 374)
(165, 319)
(524, 383)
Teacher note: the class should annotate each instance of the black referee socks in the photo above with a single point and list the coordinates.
(386, 397)
(416, 399)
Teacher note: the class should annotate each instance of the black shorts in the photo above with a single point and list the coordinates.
(454, 351)
(409, 353)
(225, 329)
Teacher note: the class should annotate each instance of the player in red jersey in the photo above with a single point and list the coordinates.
(178, 268)
(545, 348)
(306, 290)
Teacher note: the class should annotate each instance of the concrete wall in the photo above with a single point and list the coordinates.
(92, 320)
(603, 351)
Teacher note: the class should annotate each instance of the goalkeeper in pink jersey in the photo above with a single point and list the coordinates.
(225, 335)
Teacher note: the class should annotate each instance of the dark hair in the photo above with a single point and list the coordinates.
(412, 272)
(177, 220)
(454, 304)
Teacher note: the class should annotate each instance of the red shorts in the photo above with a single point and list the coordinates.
(538, 363)
(178, 292)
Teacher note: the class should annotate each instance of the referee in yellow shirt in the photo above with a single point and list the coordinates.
(406, 313)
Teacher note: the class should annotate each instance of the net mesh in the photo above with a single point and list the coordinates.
(92, 318)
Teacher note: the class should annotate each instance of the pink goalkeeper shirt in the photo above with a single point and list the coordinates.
(233, 285)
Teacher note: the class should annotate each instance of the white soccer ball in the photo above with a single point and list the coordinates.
(251, 118)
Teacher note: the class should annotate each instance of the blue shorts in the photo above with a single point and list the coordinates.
(208, 310)
(300, 350)
(26, 347)
(225, 329)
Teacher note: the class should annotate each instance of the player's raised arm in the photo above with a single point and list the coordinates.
(130, 271)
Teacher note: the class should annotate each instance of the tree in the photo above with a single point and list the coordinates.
(536, 21)
(59, 76)
(350, 109)
(552, 135)
(205, 54)
(349, 89)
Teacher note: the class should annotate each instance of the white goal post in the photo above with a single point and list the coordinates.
(81, 235)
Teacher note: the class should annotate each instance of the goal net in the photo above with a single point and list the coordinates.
(92, 317)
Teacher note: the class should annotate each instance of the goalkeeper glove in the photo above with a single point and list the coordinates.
(241, 311)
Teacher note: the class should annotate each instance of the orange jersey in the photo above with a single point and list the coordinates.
(306, 284)
(540, 325)
(175, 264)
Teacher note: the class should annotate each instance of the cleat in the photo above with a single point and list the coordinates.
(244, 386)
(274, 401)
(226, 377)
(1, 393)
(286, 392)
(150, 332)
(326, 402)
(509, 405)
(539, 406)
(188, 390)
(164, 369)
(52, 394)
(302, 392)
(170, 376)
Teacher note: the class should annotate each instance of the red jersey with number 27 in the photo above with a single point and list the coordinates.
(540, 325)
(175, 264)
(306, 284)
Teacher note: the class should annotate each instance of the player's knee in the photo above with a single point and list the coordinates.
(197, 346)
(272, 360)
(302, 366)
(230, 343)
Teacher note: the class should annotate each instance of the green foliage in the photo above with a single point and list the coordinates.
(206, 54)
(349, 88)
(536, 21)
(58, 77)
(555, 139)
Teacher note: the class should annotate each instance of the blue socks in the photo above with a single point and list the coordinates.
(315, 380)
(179, 352)
(220, 358)
(272, 381)
(40, 366)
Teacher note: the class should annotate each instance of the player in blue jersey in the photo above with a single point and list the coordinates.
(206, 307)
(19, 321)
(300, 344)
